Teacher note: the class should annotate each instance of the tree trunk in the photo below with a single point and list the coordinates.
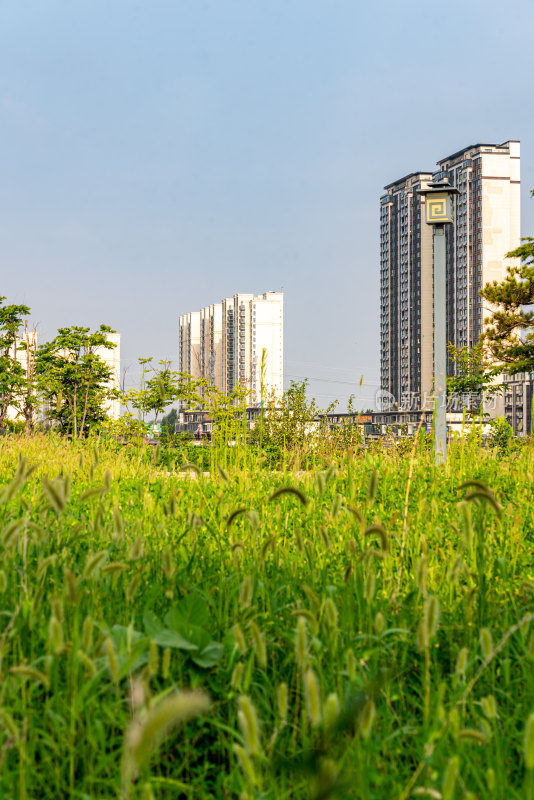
(82, 425)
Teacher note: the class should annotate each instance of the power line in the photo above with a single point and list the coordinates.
(331, 380)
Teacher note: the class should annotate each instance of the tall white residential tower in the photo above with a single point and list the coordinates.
(486, 227)
(234, 336)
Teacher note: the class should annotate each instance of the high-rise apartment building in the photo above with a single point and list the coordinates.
(189, 344)
(112, 357)
(211, 331)
(486, 227)
(240, 342)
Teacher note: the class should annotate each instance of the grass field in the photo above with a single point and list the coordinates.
(363, 631)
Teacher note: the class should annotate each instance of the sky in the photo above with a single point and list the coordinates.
(159, 155)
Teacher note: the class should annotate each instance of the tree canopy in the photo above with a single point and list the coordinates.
(75, 382)
(12, 374)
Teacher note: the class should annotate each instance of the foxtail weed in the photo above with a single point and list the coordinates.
(258, 645)
(146, 731)
(312, 692)
(249, 724)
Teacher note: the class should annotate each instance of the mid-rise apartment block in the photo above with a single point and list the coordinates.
(189, 344)
(486, 226)
(211, 333)
(240, 343)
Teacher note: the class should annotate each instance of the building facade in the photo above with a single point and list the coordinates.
(211, 361)
(486, 227)
(189, 344)
(518, 400)
(112, 357)
(240, 343)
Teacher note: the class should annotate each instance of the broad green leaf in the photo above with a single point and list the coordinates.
(209, 656)
(152, 623)
(168, 638)
(190, 609)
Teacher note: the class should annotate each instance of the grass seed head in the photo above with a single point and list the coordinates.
(489, 706)
(367, 718)
(331, 711)
(237, 676)
(245, 763)
(245, 592)
(486, 642)
(301, 643)
(351, 664)
(118, 523)
(281, 696)
(258, 645)
(331, 613)
(370, 585)
(450, 777)
(25, 671)
(89, 665)
(113, 662)
(239, 639)
(137, 548)
(167, 562)
(166, 662)
(461, 662)
(372, 486)
(150, 728)
(148, 794)
(249, 724)
(133, 586)
(431, 616)
(55, 635)
(312, 692)
(93, 563)
(8, 724)
(421, 573)
(153, 658)
(72, 586)
(379, 623)
(87, 634)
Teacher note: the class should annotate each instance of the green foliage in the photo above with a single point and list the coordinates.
(162, 388)
(364, 627)
(12, 374)
(473, 371)
(501, 434)
(73, 379)
(287, 424)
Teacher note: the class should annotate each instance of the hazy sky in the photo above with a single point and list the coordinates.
(159, 155)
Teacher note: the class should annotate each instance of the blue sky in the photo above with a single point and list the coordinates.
(157, 156)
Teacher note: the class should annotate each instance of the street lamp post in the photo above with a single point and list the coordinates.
(438, 209)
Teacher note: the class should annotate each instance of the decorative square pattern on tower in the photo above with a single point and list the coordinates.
(438, 208)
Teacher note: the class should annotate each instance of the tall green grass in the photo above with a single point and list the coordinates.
(361, 631)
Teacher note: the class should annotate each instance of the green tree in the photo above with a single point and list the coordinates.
(510, 330)
(12, 374)
(73, 380)
(289, 423)
(163, 388)
(475, 375)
